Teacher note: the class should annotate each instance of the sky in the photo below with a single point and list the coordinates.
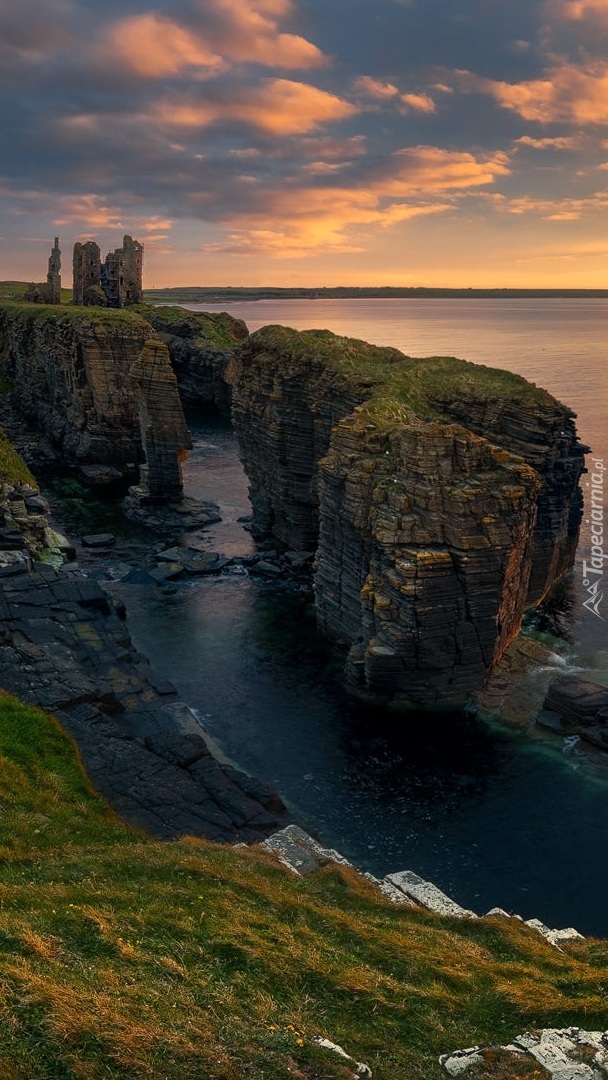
(309, 142)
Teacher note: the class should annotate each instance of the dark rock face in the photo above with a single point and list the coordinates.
(575, 706)
(101, 388)
(164, 432)
(441, 498)
(70, 376)
(285, 406)
(201, 346)
(545, 437)
(64, 646)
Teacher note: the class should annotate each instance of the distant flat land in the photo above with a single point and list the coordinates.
(193, 294)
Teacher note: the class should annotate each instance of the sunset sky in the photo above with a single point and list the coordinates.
(310, 142)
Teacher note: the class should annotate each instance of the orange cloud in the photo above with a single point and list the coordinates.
(279, 106)
(560, 142)
(376, 89)
(557, 209)
(247, 31)
(432, 168)
(304, 221)
(387, 91)
(580, 10)
(576, 95)
(419, 102)
(156, 47)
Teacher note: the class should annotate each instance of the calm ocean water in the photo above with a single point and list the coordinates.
(494, 816)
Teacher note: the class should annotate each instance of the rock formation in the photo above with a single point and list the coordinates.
(201, 346)
(70, 377)
(441, 498)
(100, 388)
(164, 433)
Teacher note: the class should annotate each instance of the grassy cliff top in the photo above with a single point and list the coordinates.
(217, 330)
(83, 316)
(417, 384)
(126, 957)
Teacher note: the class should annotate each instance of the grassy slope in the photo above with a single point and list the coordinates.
(400, 386)
(125, 957)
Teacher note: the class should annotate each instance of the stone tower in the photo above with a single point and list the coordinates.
(87, 273)
(53, 278)
(49, 291)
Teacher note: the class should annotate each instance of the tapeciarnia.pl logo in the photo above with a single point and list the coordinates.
(593, 571)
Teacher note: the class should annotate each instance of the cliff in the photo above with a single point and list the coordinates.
(69, 370)
(201, 346)
(99, 385)
(441, 498)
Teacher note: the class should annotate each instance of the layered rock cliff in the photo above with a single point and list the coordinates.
(441, 497)
(69, 371)
(99, 385)
(201, 346)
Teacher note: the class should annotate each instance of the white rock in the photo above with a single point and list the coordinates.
(456, 1064)
(427, 894)
(361, 1070)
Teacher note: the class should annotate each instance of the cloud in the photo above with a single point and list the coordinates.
(387, 91)
(580, 10)
(374, 88)
(558, 142)
(414, 182)
(277, 106)
(557, 209)
(157, 46)
(433, 168)
(247, 31)
(567, 93)
(305, 222)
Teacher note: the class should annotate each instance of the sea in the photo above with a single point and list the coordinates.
(495, 813)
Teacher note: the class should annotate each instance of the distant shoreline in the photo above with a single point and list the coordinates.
(217, 294)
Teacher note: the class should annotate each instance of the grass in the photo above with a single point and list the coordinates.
(94, 316)
(12, 467)
(404, 385)
(216, 330)
(125, 957)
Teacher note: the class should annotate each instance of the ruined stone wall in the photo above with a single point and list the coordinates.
(117, 283)
(86, 265)
(49, 291)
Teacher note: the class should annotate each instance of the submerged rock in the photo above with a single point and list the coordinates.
(577, 706)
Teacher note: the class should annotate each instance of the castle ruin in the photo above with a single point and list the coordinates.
(49, 291)
(116, 283)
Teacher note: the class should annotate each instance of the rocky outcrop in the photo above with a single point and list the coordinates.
(164, 432)
(101, 387)
(432, 533)
(64, 646)
(576, 706)
(201, 346)
(70, 376)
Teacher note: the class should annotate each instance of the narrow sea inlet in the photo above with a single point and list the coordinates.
(495, 816)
